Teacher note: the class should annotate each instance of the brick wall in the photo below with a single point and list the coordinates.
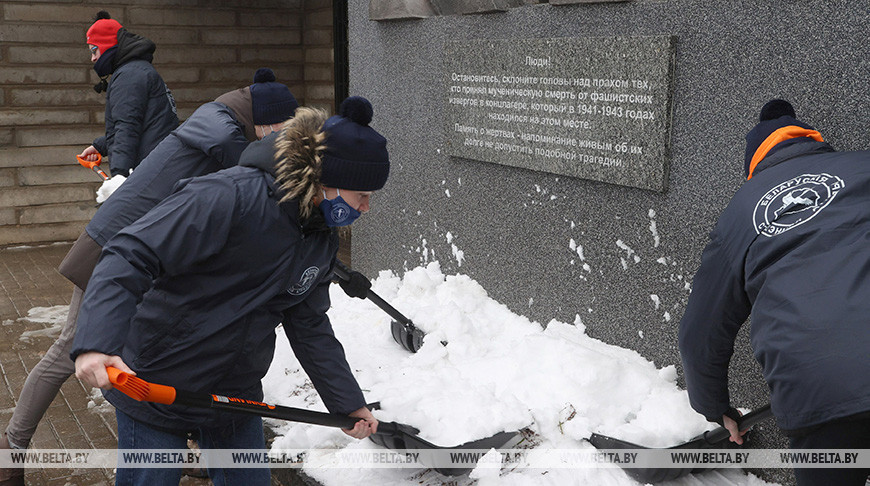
(318, 54)
(49, 111)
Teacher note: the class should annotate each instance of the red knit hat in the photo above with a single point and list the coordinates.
(104, 34)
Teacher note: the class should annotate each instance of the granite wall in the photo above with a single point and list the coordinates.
(618, 259)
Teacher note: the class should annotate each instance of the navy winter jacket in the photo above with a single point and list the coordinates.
(191, 293)
(210, 140)
(140, 110)
(792, 248)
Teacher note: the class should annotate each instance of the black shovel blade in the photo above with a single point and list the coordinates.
(404, 437)
(716, 438)
(408, 337)
(654, 474)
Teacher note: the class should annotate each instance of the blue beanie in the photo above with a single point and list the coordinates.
(356, 155)
(774, 115)
(271, 102)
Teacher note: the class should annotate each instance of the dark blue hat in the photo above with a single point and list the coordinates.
(271, 102)
(356, 155)
(775, 114)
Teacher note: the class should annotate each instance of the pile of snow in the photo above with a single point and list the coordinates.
(109, 186)
(498, 372)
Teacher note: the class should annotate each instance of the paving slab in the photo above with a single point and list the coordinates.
(78, 418)
(28, 279)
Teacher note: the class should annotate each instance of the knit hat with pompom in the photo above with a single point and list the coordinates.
(271, 102)
(104, 32)
(777, 128)
(356, 155)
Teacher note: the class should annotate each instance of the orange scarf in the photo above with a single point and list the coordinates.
(780, 135)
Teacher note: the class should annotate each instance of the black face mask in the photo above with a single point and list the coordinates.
(104, 67)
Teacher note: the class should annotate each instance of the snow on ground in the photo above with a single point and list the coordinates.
(56, 316)
(47, 315)
(498, 372)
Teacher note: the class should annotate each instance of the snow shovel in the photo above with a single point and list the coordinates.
(707, 440)
(404, 331)
(391, 435)
(94, 165)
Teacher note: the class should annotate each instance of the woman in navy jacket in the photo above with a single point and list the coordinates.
(191, 293)
(213, 138)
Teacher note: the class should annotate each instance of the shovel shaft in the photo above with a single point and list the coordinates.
(141, 390)
(386, 307)
(251, 407)
(343, 273)
(342, 270)
(100, 173)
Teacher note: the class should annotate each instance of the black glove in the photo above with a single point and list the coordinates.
(731, 413)
(356, 286)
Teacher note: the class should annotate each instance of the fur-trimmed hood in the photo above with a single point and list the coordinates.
(293, 156)
(299, 152)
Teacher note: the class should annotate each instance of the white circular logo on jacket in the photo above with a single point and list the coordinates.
(794, 202)
(309, 276)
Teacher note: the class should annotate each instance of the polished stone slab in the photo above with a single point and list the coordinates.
(595, 108)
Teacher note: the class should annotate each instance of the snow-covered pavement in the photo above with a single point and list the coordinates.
(499, 372)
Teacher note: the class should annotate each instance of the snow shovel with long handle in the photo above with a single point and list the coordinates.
(391, 435)
(94, 165)
(709, 439)
(404, 331)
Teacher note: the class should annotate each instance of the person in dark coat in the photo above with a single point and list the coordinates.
(791, 251)
(212, 139)
(191, 293)
(140, 110)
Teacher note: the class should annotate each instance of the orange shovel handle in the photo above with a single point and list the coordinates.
(143, 391)
(90, 164)
(139, 389)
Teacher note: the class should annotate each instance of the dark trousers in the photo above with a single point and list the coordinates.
(852, 434)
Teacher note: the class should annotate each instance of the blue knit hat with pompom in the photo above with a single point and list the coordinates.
(271, 102)
(356, 155)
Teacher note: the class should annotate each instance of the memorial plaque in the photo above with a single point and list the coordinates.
(594, 108)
